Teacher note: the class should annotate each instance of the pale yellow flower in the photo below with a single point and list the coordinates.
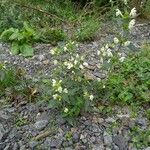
(127, 43)
(65, 90)
(59, 89)
(85, 64)
(118, 13)
(66, 110)
(133, 13)
(91, 97)
(131, 24)
(55, 96)
(116, 41)
(55, 62)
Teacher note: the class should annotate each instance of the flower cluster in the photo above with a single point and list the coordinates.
(57, 89)
(132, 16)
(69, 81)
(105, 51)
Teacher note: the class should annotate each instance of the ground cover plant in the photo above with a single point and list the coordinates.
(21, 40)
(14, 86)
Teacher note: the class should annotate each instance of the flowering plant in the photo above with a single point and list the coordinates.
(113, 52)
(71, 90)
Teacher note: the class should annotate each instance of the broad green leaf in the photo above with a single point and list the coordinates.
(26, 50)
(16, 36)
(7, 33)
(15, 49)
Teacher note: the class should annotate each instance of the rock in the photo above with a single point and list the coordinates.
(53, 143)
(107, 139)
(120, 141)
(42, 121)
(1, 46)
(110, 120)
(80, 147)
(142, 122)
(2, 131)
(41, 57)
(69, 148)
(95, 128)
(148, 148)
(4, 116)
(14, 134)
(123, 116)
(87, 122)
(115, 147)
(98, 147)
(11, 110)
(40, 125)
(33, 144)
(75, 137)
(8, 147)
(93, 139)
(15, 146)
(46, 62)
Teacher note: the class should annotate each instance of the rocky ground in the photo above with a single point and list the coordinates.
(36, 127)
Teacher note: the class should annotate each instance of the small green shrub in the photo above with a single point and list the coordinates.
(14, 85)
(129, 82)
(140, 137)
(52, 35)
(21, 40)
(87, 30)
(7, 78)
(71, 91)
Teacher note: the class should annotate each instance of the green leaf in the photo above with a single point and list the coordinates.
(26, 50)
(15, 48)
(7, 33)
(16, 36)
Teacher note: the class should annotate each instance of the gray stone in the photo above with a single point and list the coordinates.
(13, 134)
(4, 115)
(40, 125)
(11, 110)
(69, 148)
(41, 57)
(107, 148)
(53, 143)
(107, 139)
(33, 144)
(93, 139)
(42, 121)
(87, 122)
(148, 148)
(120, 141)
(110, 120)
(98, 147)
(2, 131)
(75, 137)
(8, 147)
(95, 128)
(142, 122)
(115, 147)
(15, 146)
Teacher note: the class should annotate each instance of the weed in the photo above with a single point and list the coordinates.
(21, 40)
(130, 83)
